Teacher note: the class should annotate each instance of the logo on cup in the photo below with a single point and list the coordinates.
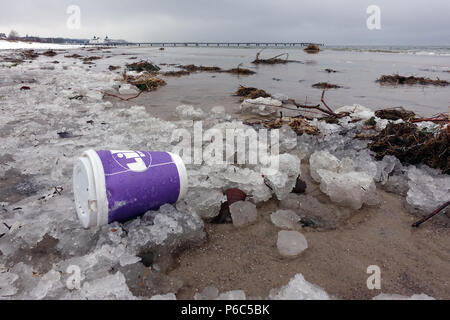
(135, 161)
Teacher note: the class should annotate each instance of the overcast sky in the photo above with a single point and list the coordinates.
(412, 22)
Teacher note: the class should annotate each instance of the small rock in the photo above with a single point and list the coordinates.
(243, 213)
(291, 243)
(285, 219)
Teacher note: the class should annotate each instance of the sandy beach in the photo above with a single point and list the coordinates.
(356, 210)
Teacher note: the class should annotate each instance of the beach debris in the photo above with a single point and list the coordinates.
(283, 179)
(88, 60)
(312, 48)
(65, 135)
(194, 68)
(312, 212)
(395, 114)
(285, 219)
(261, 106)
(50, 53)
(176, 73)
(74, 56)
(288, 138)
(251, 93)
(299, 289)
(190, 113)
(300, 187)
(113, 68)
(243, 213)
(273, 60)
(325, 86)
(233, 196)
(326, 110)
(240, 71)
(143, 66)
(397, 79)
(146, 82)
(25, 88)
(291, 244)
(121, 98)
(440, 119)
(299, 125)
(330, 70)
(411, 145)
(436, 212)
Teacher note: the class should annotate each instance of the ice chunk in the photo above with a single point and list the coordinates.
(299, 289)
(283, 179)
(167, 227)
(7, 279)
(166, 297)
(50, 281)
(261, 106)
(190, 113)
(288, 139)
(220, 113)
(112, 287)
(126, 89)
(291, 243)
(285, 219)
(237, 295)
(280, 96)
(322, 160)
(243, 213)
(426, 191)
(352, 189)
(357, 112)
(205, 202)
(384, 296)
(312, 212)
(209, 293)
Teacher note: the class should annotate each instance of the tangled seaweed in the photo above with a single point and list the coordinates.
(251, 93)
(395, 114)
(396, 79)
(413, 146)
(298, 124)
(143, 66)
(326, 85)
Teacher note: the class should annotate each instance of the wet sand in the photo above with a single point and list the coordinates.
(412, 261)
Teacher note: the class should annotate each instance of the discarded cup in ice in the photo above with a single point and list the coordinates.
(112, 186)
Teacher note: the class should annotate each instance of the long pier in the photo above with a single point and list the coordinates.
(214, 44)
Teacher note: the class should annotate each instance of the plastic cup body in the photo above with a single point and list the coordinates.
(119, 185)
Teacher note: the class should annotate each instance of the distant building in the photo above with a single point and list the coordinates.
(106, 41)
(3, 36)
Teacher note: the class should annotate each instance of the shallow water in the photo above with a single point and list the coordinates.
(357, 73)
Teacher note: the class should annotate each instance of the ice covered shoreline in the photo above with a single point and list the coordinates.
(41, 236)
(13, 45)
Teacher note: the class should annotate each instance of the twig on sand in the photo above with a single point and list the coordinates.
(121, 98)
(417, 224)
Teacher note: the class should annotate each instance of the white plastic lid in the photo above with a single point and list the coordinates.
(90, 191)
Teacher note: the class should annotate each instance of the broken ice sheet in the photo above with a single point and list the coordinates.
(204, 202)
(299, 289)
(285, 219)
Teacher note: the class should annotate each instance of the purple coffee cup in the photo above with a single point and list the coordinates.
(116, 186)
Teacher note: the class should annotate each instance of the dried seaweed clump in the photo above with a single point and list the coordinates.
(251, 93)
(396, 79)
(395, 114)
(299, 125)
(146, 82)
(414, 146)
(143, 66)
(194, 68)
(176, 73)
(326, 85)
(312, 48)
(240, 71)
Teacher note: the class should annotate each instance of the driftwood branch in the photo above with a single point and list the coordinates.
(121, 98)
(417, 224)
(328, 110)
